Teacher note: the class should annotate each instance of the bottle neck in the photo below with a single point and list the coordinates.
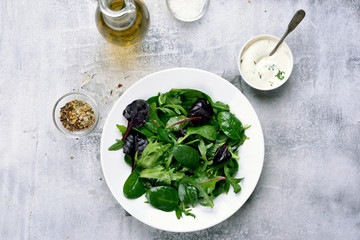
(118, 14)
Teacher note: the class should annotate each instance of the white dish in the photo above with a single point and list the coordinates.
(251, 153)
(287, 60)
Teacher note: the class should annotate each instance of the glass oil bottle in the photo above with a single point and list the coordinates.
(122, 22)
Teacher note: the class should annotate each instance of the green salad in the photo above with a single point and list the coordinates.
(182, 149)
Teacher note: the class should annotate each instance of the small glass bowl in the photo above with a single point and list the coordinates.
(188, 18)
(67, 98)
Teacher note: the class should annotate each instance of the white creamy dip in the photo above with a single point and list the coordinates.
(261, 70)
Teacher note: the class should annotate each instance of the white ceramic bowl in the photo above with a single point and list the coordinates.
(246, 45)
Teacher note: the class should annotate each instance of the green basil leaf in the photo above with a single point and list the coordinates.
(121, 128)
(230, 125)
(116, 146)
(133, 188)
(187, 156)
(163, 197)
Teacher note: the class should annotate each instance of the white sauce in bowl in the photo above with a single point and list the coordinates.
(259, 69)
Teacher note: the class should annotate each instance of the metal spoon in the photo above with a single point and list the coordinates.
(299, 15)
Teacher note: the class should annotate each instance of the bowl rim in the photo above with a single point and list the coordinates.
(253, 39)
(92, 103)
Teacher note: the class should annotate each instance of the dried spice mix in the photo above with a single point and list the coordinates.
(77, 115)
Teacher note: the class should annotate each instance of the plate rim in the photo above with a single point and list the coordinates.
(262, 150)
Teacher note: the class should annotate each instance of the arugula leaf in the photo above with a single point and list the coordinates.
(208, 201)
(182, 209)
(178, 109)
(230, 169)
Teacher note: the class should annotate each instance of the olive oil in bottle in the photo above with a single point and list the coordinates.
(122, 22)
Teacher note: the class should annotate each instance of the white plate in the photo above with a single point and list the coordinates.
(251, 153)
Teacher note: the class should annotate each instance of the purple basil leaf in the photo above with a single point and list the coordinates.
(222, 154)
(136, 113)
(201, 108)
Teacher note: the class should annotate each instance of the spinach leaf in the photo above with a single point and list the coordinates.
(230, 125)
(171, 124)
(188, 194)
(206, 131)
(133, 188)
(116, 146)
(151, 155)
(158, 172)
(163, 197)
(187, 156)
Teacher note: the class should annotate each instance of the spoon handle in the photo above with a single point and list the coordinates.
(297, 18)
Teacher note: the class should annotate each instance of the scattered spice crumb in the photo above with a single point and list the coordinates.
(111, 101)
(100, 179)
(111, 92)
(265, 10)
(120, 85)
(71, 157)
(76, 138)
(102, 100)
(93, 76)
(249, 1)
(126, 77)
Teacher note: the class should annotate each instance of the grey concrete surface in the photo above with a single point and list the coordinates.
(52, 187)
